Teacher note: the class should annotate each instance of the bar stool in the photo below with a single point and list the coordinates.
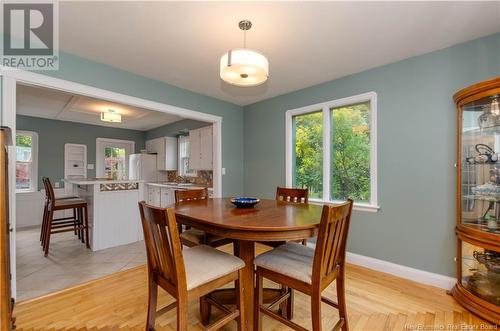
(50, 225)
(73, 219)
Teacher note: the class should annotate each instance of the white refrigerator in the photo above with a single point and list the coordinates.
(142, 167)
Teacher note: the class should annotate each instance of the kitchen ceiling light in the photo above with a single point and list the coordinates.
(111, 116)
(243, 66)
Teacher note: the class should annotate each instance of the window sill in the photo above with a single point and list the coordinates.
(25, 191)
(357, 206)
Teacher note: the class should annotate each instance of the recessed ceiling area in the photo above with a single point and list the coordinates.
(306, 43)
(52, 104)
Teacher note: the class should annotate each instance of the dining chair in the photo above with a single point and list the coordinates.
(293, 195)
(191, 236)
(186, 274)
(297, 195)
(308, 270)
(78, 223)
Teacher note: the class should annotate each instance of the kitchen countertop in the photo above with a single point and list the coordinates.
(93, 181)
(177, 185)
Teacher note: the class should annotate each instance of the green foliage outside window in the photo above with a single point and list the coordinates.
(309, 153)
(23, 140)
(349, 157)
(350, 153)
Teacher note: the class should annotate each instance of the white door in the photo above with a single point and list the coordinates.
(112, 158)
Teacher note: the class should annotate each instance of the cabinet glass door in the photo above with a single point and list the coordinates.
(481, 272)
(480, 182)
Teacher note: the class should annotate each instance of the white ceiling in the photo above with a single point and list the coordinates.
(306, 42)
(52, 104)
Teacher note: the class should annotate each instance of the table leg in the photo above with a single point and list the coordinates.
(246, 252)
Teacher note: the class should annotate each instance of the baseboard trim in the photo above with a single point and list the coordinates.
(419, 276)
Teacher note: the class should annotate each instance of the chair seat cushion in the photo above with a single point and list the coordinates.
(196, 236)
(204, 264)
(67, 202)
(291, 259)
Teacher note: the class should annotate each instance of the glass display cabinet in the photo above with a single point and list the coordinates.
(478, 199)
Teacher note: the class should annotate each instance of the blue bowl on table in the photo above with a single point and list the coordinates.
(244, 202)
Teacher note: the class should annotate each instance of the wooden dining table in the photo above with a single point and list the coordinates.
(269, 220)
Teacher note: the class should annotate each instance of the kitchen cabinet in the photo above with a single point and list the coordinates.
(166, 151)
(153, 195)
(201, 148)
(160, 196)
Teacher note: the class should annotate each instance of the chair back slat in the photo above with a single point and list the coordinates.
(163, 245)
(189, 195)
(49, 190)
(296, 195)
(330, 251)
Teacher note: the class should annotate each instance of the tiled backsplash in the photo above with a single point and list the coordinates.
(204, 178)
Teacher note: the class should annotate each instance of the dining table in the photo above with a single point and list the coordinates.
(268, 221)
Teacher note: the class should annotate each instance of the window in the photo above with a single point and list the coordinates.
(184, 158)
(112, 158)
(331, 150)
(26, 161)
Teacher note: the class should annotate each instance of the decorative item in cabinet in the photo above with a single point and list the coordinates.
(478, 200)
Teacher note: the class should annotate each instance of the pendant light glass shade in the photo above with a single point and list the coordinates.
(244, 67)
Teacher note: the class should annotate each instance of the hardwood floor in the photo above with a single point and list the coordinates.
(376, 301)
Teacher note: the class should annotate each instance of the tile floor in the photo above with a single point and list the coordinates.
(69, 263)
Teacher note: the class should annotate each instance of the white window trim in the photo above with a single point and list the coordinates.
(99, 163)
(325, 108)
(180, 165)
(34, 161)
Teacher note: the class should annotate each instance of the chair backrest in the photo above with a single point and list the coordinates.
(49, 190)
(329, 257)
(163, 246)
(188, 195)
(297, 195)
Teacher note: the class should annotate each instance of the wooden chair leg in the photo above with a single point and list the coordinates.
(316, 311)
(44, 221)
(259, 299)
(182, 314)
(152, 301)
(304, 242)
(86, 224)
(283, 309)
(82, 237)
(47, 231)
(76, 220)
(240, 302)
(289, 306)
(205, 311)
(341, 301)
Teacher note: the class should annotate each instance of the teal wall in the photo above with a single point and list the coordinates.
(416, 150)
(53, 134)
(80, 70)
(172, 129)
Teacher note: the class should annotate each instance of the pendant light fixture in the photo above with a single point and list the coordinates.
(243, 66)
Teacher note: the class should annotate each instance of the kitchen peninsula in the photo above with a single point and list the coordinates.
(113, 213)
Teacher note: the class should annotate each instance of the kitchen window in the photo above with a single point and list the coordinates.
(331, 150)
(26, 161)
(183, 158)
